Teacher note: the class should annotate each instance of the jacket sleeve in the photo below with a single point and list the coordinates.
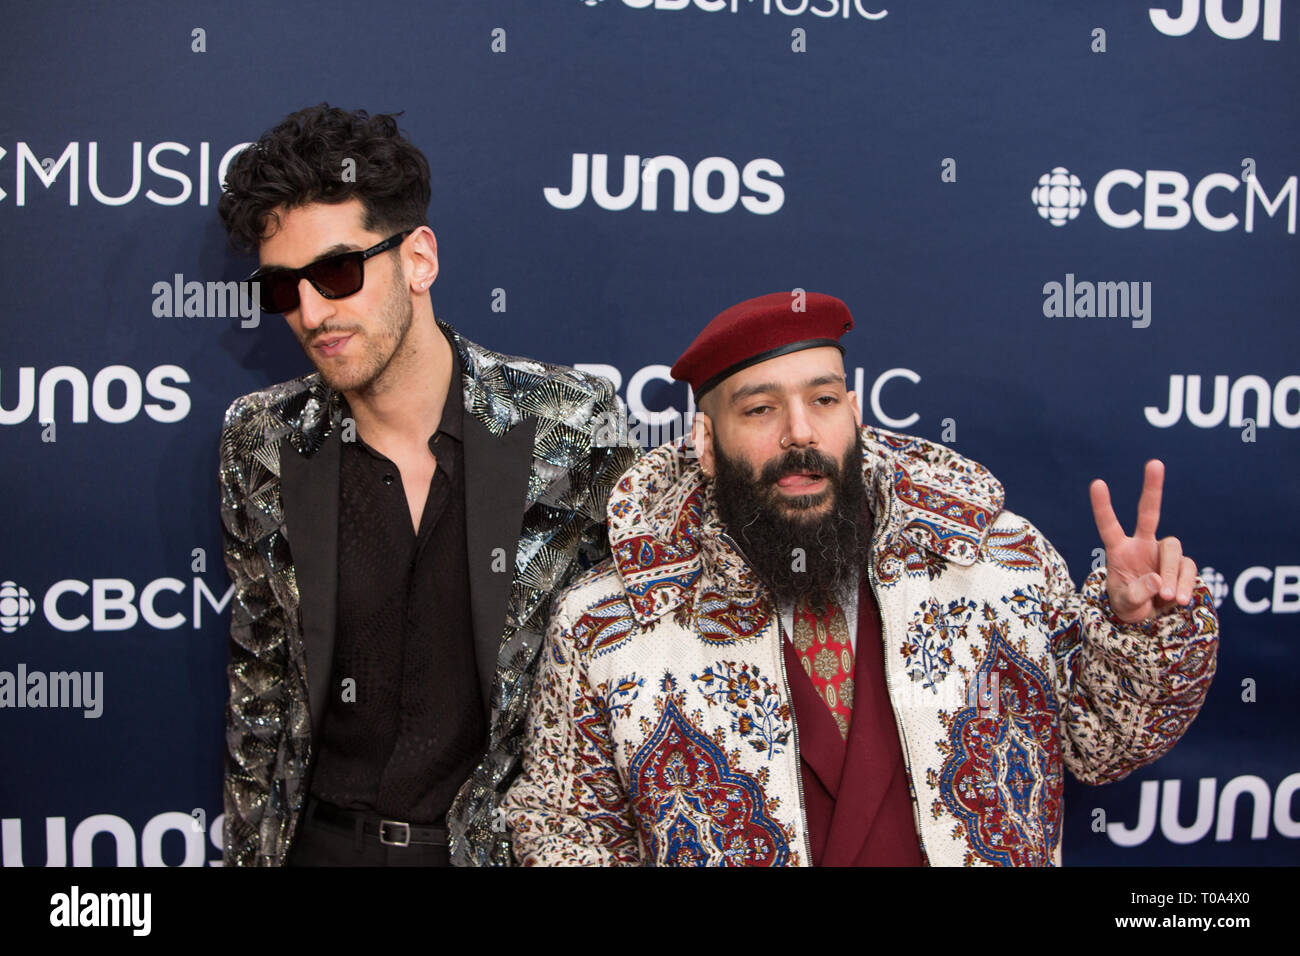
(1126, 692)
(476, 819)
(568, 806)
(255, 670)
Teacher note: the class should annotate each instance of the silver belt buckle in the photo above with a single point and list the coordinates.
(403, 840)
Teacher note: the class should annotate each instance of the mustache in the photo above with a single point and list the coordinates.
(331, 332)
(797, 461)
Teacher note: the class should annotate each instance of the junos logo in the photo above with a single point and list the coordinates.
(1190, 12)
(128, 850)
(114, 604)
(1216, 810)
(1272, 403)
(1278, 591)
(45, 171)
(1159, 199)
(714, 184)
(172, 403)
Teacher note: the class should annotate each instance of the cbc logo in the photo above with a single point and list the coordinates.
(1059, 196)
(114, 604)
(16, 607)
(1282, 597)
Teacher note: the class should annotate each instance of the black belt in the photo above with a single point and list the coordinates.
(389, 832)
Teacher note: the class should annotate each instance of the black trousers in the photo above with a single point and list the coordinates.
(325, 843)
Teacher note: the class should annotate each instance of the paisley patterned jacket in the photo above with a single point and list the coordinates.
(661, 729)
(542, 450)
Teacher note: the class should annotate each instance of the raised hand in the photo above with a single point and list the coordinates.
(1144, 576)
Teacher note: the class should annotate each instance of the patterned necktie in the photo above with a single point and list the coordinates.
(827, 657)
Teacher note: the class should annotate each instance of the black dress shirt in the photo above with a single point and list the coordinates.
(413, 727)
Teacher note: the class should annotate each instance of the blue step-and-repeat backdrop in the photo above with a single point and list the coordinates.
(1067, 232)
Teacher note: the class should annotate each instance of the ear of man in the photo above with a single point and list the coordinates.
(421, 259)
(702, 435)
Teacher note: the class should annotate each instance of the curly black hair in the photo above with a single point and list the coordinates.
(303, 160)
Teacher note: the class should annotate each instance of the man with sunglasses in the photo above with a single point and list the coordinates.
(395, 523)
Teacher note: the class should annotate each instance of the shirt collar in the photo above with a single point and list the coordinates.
(453, 407)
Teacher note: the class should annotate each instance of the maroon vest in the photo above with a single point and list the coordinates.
(855, 793)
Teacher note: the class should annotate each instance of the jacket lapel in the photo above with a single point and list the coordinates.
(867, 772)
(309, 488)
(820, 745)
(497, 469)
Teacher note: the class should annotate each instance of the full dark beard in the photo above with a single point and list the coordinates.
(795, 555)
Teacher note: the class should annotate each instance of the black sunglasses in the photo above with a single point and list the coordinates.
(333, 277)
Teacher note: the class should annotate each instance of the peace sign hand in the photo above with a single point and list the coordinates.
(1144, 576)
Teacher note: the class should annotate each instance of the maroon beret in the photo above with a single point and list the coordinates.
(759, 329)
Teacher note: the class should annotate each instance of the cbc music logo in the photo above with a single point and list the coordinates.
(644, 390)
(791, 8)
(1059, 196)
(16, 606)
(1167, 199)
(35, 173)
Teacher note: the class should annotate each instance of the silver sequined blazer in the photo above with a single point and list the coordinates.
(539, 466)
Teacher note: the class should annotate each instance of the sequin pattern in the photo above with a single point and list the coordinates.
(268, 728)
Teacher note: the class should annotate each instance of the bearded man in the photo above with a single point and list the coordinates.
(823, 644)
